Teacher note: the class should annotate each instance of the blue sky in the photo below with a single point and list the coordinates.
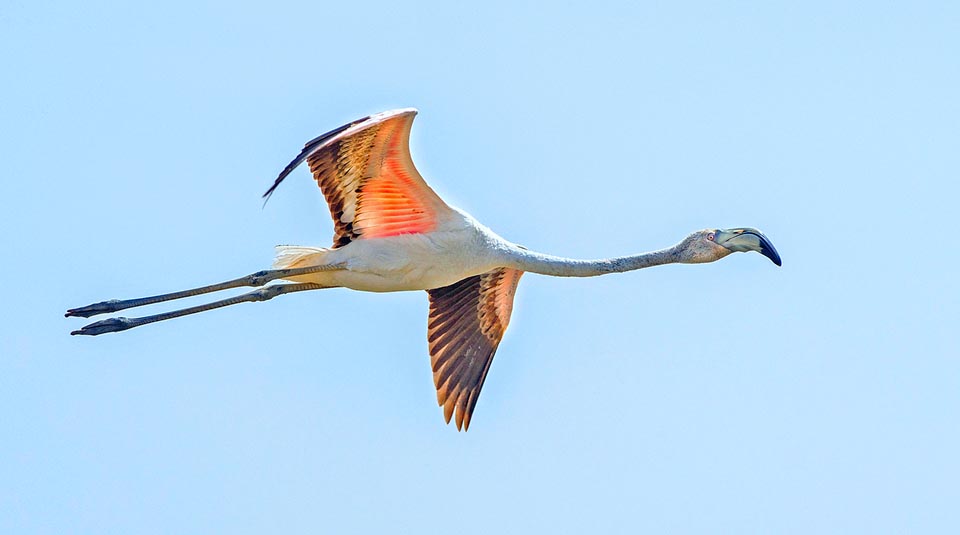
(732, 397)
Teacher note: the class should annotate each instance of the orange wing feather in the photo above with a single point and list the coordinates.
(467, 321)
(368, 179)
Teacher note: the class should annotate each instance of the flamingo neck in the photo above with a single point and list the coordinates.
(558, 266)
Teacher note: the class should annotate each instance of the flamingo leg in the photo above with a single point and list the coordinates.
(266, 293)
(254, 280)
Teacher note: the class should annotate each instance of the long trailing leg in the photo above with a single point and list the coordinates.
(111, 325)
(254, 280)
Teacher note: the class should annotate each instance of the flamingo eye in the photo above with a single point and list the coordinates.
(710, 236)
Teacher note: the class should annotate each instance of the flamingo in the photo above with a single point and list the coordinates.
(393, 233)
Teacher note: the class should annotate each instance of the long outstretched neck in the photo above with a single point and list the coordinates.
(558, 266)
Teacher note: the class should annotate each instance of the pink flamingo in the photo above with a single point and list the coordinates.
(393, 233)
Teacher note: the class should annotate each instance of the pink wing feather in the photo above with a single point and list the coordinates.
(366, 175)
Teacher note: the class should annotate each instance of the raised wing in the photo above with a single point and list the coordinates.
(366, 175)
(467, 321)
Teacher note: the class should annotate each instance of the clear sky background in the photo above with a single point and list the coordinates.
(732, 397)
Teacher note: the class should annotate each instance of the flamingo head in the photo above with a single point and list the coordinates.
(711, 245)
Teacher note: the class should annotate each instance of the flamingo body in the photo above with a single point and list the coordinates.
(461, 248)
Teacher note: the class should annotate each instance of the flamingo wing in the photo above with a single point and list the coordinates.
(467, 321)
(368, 179)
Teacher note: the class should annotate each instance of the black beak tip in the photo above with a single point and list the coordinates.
(768, 251)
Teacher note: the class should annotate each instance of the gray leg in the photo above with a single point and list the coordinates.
(111, 325)
(254, 280)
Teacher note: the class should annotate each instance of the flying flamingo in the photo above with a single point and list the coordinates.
(393, 233)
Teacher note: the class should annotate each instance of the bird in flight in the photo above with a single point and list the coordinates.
(393, 233)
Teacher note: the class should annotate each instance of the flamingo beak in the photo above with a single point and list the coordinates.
(747, 239)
